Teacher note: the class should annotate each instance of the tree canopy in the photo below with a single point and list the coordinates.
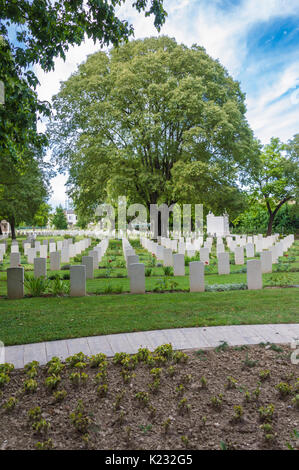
(59, 219)
(153, 120)
(23, 200)
(275, 180)
(35, 32)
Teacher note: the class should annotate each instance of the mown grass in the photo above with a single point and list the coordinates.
(39, 319)
(48, 318)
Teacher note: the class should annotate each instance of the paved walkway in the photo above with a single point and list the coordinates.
(180, 338)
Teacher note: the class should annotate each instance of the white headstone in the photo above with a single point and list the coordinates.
(15, 283)
(266, 261)
(196, 276)
(55, 261)
(178, 265)
(137, 278)
(40, 267)
(78, 281)
(15, 260)
(223, 263)
(239, 255)
(254, 274)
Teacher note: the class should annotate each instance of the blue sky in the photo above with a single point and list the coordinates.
(256, 40)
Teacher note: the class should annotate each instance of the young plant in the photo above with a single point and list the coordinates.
(296, 401)
(184, 406)
(10, 404)
(59, 395)
(102, 390)
(239, 412)
(143, 398)
(249, 362)
(35, 414)
(179, 356)
(118, 400)
(203, 382)
(78, 378)
(180, 389)
(30, 386)
(231, 382)
(97, 360)
(6, 368)
(155, 386)
(217, 401)
(41, 426)
(73, 360)
(79, 419)
(52, 382)
(223, 346)
(46, 445)
(264, 374)
(4, 379)
(284, 389)
(143, 354)
(166, 425)
(266, 413)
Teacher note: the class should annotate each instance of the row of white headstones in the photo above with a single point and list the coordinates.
(165, 249)
(64, 251)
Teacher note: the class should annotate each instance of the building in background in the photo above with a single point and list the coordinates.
(70, 217)
(5, 228)
(217, 225)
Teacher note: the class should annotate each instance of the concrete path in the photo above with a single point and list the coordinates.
(180, 338)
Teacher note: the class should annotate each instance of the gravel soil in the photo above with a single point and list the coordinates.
(223, 398)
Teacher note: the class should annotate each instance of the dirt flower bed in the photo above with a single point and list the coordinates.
(225, 398)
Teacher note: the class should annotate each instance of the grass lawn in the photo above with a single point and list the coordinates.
(38, 319)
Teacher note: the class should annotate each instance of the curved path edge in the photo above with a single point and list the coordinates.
(180, 338)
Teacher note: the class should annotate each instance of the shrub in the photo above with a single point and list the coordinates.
(225, 287)
(36, 286)
(168, 271)
(148, 272)
(58, 287)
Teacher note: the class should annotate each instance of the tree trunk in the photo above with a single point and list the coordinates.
(1, 230)
(12, 228)
(270, 223)
(272, 215)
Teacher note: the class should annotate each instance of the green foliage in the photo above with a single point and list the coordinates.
(79, 419)
(45, 30)
(172, 126)
(255, 219)
(59, 287)
(10, 404)
(284, 389)
(266, 412)
(59, 219)
(4, 379)
(36, 287)
(59, 395)
(52, 382)
(73, 360)
(225, 287)
(30, 386)
(275, 180)
(46, 445)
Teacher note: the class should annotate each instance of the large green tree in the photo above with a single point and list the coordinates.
(23, 200)
(149, 119)
(59, 219)
(45, 29)
(274, 181)
(35, 32)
